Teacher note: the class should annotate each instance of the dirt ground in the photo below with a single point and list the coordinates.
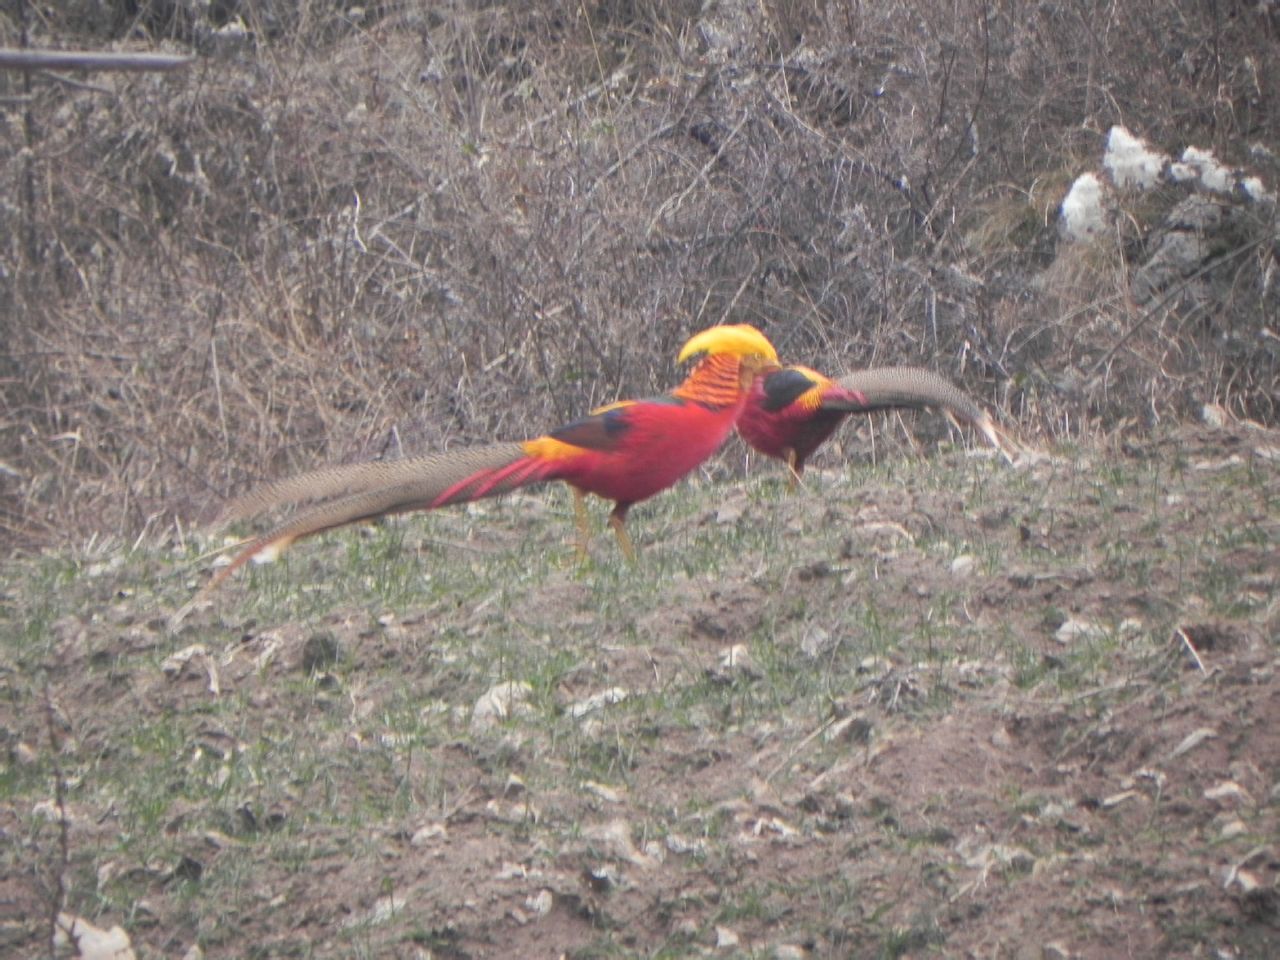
(939, 706)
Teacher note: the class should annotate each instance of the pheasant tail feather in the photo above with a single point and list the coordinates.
(343, 480)
(891, 387)
(426, 483)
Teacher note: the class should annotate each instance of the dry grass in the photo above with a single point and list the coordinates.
(337, 239)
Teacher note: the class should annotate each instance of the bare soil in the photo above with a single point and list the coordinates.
(936, 707)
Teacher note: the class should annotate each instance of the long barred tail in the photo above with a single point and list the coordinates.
(888, 388)
(423, 483)
(328, 483)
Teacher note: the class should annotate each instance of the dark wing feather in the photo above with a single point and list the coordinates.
(602, 431)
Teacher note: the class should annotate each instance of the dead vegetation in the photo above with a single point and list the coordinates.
(349, 231)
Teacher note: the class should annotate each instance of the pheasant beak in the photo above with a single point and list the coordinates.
(756, 365)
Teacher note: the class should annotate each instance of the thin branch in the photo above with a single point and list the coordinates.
(11, 59)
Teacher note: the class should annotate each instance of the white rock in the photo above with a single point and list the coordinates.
(90, 942)
(1131, 161)
(1255, 191)
(1083, 213)
(1118, 798)
(1210, 172)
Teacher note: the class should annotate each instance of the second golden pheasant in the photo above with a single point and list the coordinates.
(793, 410)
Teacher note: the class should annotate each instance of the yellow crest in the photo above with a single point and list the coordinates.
(735, 339)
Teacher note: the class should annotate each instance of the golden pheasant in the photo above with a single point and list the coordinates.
(793, 410)
(624, 452)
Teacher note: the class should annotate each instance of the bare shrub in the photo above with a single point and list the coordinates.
(340, 237)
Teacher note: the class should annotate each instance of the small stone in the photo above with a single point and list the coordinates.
(49, 810)
(384, 909)
(76, 934)
(963, 565)
(428, 834)
(1118, 798)
(736, 658)
(1232, 829)
(501, 702)
(173, 664)
(734, 664)
(682, 845)
(598, 701)
(876, 665)
(1215, 415)
(1193, 740)
(815, 642)
(607, 794)
(1228, 792)
(686, 928)
(1245, 880)
(521, 811)
(1078, 630)
(726, 938)
(601, 878)
(615, 838)
(540, 903)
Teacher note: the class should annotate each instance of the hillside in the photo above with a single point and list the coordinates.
(345, 233)
(935, 706)
(929, 704)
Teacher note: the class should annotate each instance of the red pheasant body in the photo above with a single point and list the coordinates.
(627, 452)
